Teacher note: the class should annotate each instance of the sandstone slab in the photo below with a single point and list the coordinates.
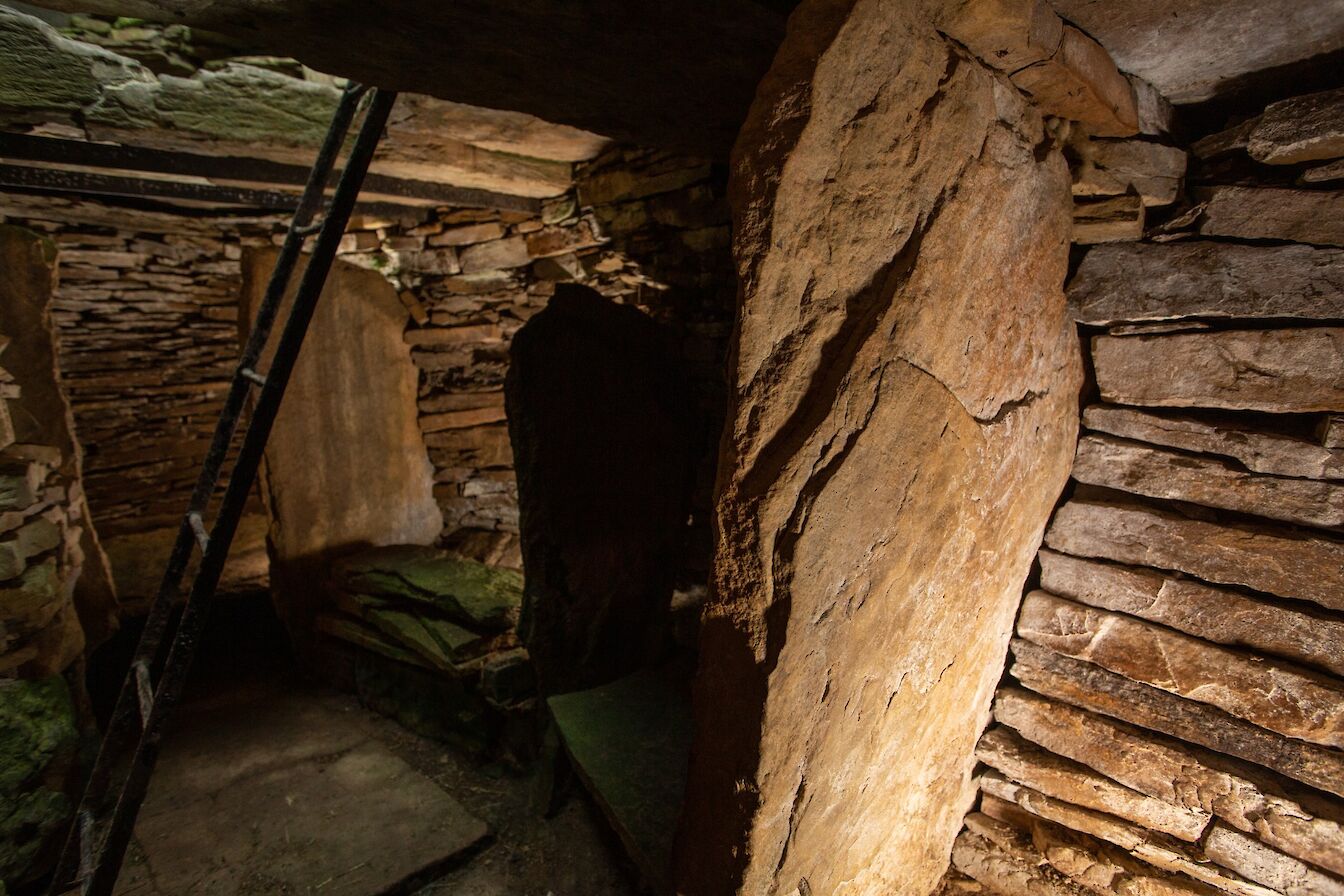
(347, 432)
(1182, 775)
(1114, 167)
(865, 456)
(1119, 219)
(1271, 694)
(1091, 687)
(1006, 34)
(1263, 864)
(1300, 129)
(1275, 213)
(1157, 473)
(1220, 615)
(1259, 449)
(604, 445)
(1081, 83)
(1002, 749)
(1274, 560)
(1279, 371)
(1007, 800)
(1201, 278)
(1013, 870)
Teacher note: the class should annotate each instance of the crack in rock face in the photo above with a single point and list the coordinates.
(904, 412)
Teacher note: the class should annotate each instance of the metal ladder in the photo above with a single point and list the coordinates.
(98, 839)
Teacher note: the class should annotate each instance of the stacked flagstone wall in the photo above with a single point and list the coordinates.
(1173, 717)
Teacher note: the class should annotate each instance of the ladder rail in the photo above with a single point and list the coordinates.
(110, 849)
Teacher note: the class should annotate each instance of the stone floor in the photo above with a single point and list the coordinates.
(269, 785)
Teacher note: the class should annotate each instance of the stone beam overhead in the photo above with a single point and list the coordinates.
(1191, 49)
(52, 84)
(674, 75)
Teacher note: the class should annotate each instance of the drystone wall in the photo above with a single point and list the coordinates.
(147, 310)
(1173, 719)
(45, 546)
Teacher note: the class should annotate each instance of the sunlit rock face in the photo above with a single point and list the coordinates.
(905, 389)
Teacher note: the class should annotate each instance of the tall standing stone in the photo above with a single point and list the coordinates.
(904, 387)
(605, 447)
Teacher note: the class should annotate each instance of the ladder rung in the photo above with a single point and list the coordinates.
(144, 691)
(198, 527)
(308, 229)
(249, 374)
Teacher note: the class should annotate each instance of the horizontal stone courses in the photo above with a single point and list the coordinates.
(1272, 694)
(1259, 450)
(1275, 560)
(1278, 371)
(1212, 482)
(1091, 687)
(1220, 615)
(1274, 213)
(1184, 776)
(1206, 279)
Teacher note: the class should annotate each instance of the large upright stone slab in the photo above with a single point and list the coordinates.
(604, 442)
(346, 465)
(904, 394)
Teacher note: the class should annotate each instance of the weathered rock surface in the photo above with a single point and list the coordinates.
(1002, 749)
(1113, 167)
(1080, 82)
(1108, 220)
(1253, 859)
(1260, 450)
(1157, 473)
(347, 433)
(865, 456)
(1214, 614)
(1191, 49)
(1092, 687)
(1300, 129)
(604, 441)
(39, 741)
(1197, 278)
(1008, 800)
(1271, 694)
(1275, 213)
(1279, 371)
(1179, 774)
(1012, 870)
(1282, 562)
(1006, 34)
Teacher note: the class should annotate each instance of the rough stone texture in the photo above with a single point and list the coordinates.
(1007, 800)
(1081, 83)
(38, 745)
(697, 65)
(1327, 173)
(1002, 749)
(1181, 775)
(1169, 281)
(1257, 448)
(1119, 219)
(895, 398)
(243, 110)
(1092, 687)
(1275, 213)
(1301, 129)
(1006, 34)
(1010, 867)
(347, 432)
(604, 443)
(1214, 614)
(1157, 473)
(1278, 561)
(1269, 693)
(1191, 49)
(1113, 167)
(1251, 858)
(1280, 371)
(44, 430)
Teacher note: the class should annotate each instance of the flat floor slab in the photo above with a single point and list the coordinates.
(288, 793)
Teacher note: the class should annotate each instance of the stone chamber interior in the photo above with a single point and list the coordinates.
(846, 447)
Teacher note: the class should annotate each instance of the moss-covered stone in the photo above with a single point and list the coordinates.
(427, 703)
(38, 739)
(34, 598)
(473, 594)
